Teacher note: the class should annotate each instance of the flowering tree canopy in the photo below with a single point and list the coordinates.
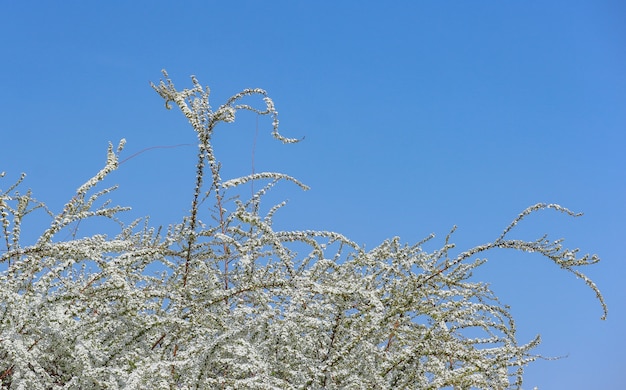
(236, 304)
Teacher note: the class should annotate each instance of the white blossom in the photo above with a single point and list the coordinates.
(236, 304)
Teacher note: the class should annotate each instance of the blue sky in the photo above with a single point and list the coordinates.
(417, 115)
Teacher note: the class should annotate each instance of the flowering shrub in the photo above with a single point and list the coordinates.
(236, 304)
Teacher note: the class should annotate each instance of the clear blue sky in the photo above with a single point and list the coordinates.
(418, 115)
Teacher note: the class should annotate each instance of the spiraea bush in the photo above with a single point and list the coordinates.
(236, 304)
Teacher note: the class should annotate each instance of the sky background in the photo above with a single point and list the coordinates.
(417, 116)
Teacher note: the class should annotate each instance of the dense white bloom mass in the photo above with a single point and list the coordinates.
(238, 305)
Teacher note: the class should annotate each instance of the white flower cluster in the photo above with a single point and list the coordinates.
(238, 305)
